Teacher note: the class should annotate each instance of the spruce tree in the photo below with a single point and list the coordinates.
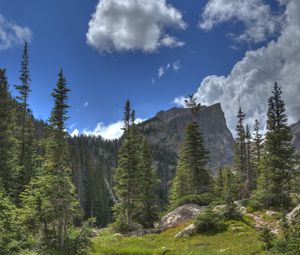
(8, 149)
(257, 142)
(127, 175)
(240, 156)
(219, 183)
(50, 198)
(191, 176)
(250, 169)
(148, 187)
(277, 164)
(27, 151)
(230, 194)
(10, 235)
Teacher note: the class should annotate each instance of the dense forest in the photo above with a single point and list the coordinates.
(55, 190)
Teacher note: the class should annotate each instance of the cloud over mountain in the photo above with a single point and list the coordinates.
(134, 25)
(251, 79)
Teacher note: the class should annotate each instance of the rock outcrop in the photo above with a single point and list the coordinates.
(295, 130)
(179, 215)
(188, 231)
(293, 214)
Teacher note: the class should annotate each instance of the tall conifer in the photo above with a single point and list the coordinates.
(276, 166)
(191, 176)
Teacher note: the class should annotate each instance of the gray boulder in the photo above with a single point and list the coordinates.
(294, 213)
(188, 231)
(180, 215)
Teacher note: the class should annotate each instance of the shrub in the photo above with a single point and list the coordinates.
(209, 221)
(267, 237)
(253, 205)
(204, 199)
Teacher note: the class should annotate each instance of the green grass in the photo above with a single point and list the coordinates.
(239, 239)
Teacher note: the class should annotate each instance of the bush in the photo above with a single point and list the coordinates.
(267, 237)
(209, 221)
(253, 205)
(120, 227)
(204, 199)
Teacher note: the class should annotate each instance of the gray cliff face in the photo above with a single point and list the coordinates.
(295, 130)
(167, 129)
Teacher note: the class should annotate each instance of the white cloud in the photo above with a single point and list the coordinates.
(161, 71)
(109, 132)
(75, 133)
(251, 79)
(175, 66)
(12, 34)
(85, 104)
(133, 25)
(179, 101)
(255, 15)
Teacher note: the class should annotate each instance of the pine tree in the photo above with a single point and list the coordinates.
(230, 194)
(9, 228)
(50, 198)
(276, 167)
(257, 142)
(7, 141)
(27, 151)
(191, 176)
(219, 183)
(148, 187)
(250, 169)
(240, 156)
(127, 174)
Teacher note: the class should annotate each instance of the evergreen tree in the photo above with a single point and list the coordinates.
(240, 156)
(148, 187)
(250, 169)
(51, 197)
(9, 229)
(191, 176)
(127, 174)
(276, 167)
(7, 141)
(219, 183)
(230, 194)
(257, 142)
(26, 136)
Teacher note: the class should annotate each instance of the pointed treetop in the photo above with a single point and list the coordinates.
(191, 103)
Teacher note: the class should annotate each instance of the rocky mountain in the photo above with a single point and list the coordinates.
(167, 128)
(295, 130)
(165, 133)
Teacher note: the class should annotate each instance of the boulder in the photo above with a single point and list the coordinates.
(188, 231)
(180, 215)
(219, 208)
(294, 213)
(118, 235)
(272, 214)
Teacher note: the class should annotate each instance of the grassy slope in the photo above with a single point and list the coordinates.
(239, 239)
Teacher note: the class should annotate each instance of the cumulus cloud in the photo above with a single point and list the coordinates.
(109, 132)
(86, 104)
(255, 15)
(134, 25)
(12, 34)
(251, 79)
(179, 101)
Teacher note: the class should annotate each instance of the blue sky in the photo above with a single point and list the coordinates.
(101, 79)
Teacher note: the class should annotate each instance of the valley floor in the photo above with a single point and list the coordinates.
(239, 239)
